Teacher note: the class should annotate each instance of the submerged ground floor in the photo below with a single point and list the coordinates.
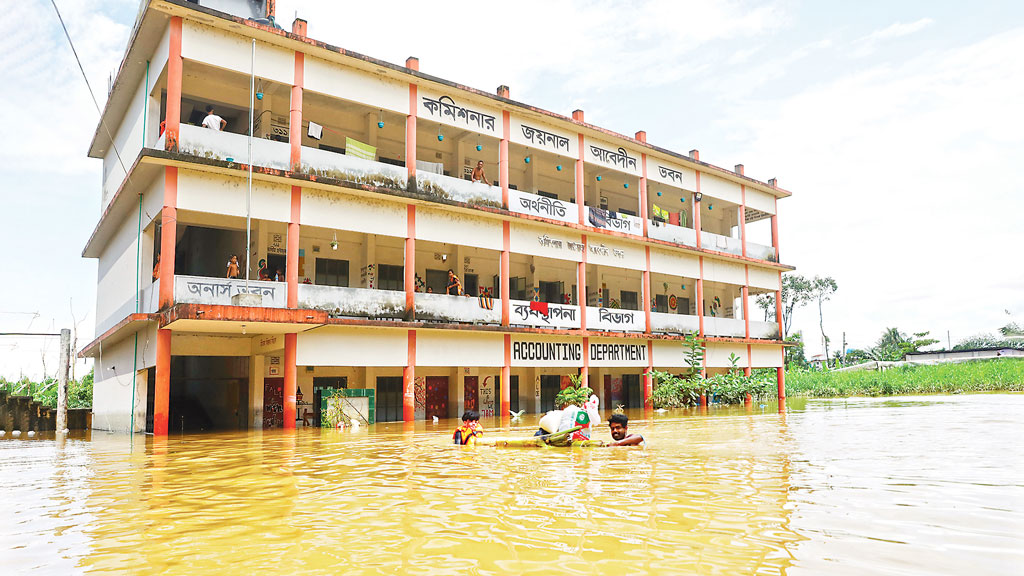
(225, 375)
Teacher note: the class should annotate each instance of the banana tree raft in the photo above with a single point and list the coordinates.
(558, 440)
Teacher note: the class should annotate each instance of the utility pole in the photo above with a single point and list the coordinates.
(62, 380)
(949, 344)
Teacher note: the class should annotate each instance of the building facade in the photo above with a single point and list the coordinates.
(578, 251)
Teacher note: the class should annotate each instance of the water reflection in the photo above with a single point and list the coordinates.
(891, 486)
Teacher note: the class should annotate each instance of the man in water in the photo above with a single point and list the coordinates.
(470, 430)
(618, 425)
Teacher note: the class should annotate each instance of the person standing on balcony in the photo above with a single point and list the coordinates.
(212, 121)
(454, 286)
(233, 267)
(478, 173)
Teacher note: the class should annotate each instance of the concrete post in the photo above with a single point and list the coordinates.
(62, 379)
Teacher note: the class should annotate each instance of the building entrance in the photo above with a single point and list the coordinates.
(389, 398)
(550, 386)
(471, 394)
(208, 393)
(437, 397)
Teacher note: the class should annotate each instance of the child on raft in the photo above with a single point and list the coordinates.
(467, 434)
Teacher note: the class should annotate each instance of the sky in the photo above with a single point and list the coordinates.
(898, 127)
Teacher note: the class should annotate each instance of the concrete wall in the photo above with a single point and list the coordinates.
(112, 389)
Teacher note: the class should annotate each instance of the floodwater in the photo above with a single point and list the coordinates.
(911, 485)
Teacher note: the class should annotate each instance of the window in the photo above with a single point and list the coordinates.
(629, 300)
(390, 277)
(661, 303)
(547, 194)
(331, 272)
(517, 288)
(630, 212)
(551, 292)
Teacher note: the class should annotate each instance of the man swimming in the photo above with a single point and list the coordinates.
(618, 425)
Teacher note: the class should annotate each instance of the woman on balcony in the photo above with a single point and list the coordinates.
(454, 286)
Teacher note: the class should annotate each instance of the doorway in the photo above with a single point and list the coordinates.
(389, 398)
(437, 397)
(471, 393)
(320, 385)
(513, 393)
(550, 386)
(273, 403)
(437, 281)
(632, 393)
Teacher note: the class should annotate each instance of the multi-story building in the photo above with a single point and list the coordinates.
(580, 251)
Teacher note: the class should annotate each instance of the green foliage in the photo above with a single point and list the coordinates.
(693, 354)
(575, 394)
(335, 413)
(1012, 337)
(675, 391)
(679, 390)
(1003, 374)
(892, 347)
(45, 392)
(797, 291)
(795, 357)
(821, 290)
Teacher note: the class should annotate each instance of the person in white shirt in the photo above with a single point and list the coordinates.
(212, 121)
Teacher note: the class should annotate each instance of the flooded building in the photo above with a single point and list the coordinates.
(236, 293)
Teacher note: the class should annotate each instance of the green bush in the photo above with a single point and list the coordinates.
(1004, 374)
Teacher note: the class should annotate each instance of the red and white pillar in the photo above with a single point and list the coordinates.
(295, 216)
(577, 115)
(409, 381)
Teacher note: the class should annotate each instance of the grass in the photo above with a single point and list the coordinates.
(1000, 375)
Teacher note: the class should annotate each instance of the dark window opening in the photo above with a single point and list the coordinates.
(331, 272)
(390, 277)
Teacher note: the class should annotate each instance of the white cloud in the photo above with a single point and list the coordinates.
(906, 185)
(866, 45)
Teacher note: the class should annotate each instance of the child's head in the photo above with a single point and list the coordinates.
(471, 416)
(234, 258)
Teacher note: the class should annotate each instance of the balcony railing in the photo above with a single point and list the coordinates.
(534, 205)
(760, 251)
(674, 323)
(543, 315)
(724, 327)
(615, 319)
(445, 308)
(457, 189)
(227, 146)
(713, 241)
(615, 221)
(672, 233)
(204, 290)
(327, 164)
(359, 302)
(766, 330)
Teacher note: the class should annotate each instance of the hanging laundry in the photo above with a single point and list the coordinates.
(598, 217)
(540, 307)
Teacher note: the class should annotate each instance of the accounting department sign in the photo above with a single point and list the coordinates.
(569, 353)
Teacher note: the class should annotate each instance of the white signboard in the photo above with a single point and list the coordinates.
(461, 114)
(527, 203)
(616, 320)
(557, 353)
(672, 175)
(614, 157)
(543, 315)
(618, 353)
(544, 137)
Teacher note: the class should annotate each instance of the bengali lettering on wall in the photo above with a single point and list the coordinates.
(544, 315)
(615, 157)
(446, 110)
(666, 173)
(536, 205)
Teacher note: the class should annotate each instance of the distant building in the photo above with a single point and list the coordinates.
(972, 354)
(583, 251)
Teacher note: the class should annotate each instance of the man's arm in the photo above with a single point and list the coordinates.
(223, 123)
(631, 440)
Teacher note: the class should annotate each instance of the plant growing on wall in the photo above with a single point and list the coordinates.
(576, 394)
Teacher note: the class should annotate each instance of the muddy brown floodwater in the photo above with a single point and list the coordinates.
(912, 485)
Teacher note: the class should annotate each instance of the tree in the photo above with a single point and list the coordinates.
(796, 292)
(894, 346)
(795, 357)
(821, 290)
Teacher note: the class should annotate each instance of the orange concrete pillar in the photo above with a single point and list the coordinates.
(695, 154)
(775, 225)
(413, 64)
(646, 278)
(780, 377)
(743, 214)
(581, 285)
(503, 160)
(642, 137)
(409, 381)
(410, 263)
(700, 295)
(506, 248)
(168, 236)
(291, 375)
(585, 371)
(173, 116)
(162, 390)
(506, 380)
(577, 115)
(648, 379)
(778, 307)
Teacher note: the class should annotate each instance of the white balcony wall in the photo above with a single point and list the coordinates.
(615, 319)
(214, 193)
(355, 85)
(460, 228)
(731, 327)
(203, 290)
(150, 300)
(457, 189)
(359, 302)
(712, 241)
(128, 137)
(761, 329)
(542, 206)
(230, 147)
(545, 241)
(765, 278)
(674, 323)
(234, 52)
(720, 188)
(760, 201)
(327, 164)
(760, 251)
(672, 233)
(558, 315)
(624, 223)
(445, 308)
